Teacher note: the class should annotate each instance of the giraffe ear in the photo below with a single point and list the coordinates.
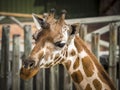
(75, 28)
(35, 19)
(39, 22)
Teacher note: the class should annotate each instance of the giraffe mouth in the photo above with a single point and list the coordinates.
(26, 73)
(28, 69)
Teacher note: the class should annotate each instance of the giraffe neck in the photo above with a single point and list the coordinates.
(84, 68)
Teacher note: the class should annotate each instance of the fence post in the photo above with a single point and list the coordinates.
(95, 44)
(28, 84)
(44, 82)
(54, 77)
(38, 81)
(5, 62)
(83, 31)
(62, 79)
(68, 84)
(112, 52)
(16, 63)
(119, 58)
(45, 75)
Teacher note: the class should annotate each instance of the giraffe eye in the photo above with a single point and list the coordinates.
(59, 44)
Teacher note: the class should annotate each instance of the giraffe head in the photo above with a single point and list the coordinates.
(50, 39)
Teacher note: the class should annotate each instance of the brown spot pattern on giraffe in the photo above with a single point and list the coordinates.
(72, 53)
(88, 66)
(97, 84)
(77, 76)
(104, 75)
(68, 64)
(76, 63)
(88, 87)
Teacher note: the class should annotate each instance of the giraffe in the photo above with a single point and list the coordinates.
(59, 43)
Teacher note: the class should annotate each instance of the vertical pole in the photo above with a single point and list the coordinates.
(54, 77)
(5, 62)
(38, 80)
(28, 84)
(16, 63)
(112, 52)
(83, 31)
(95, 44)
(68, 84)
(47, 78)
(61, 78)
(119, 57)
(44, 79)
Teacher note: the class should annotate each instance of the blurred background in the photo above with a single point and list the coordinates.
(75, 8)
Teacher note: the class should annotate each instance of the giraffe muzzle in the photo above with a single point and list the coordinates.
(29, 69)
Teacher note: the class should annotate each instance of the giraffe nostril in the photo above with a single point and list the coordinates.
(25, 65)
(32, 64)
(29, 63)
